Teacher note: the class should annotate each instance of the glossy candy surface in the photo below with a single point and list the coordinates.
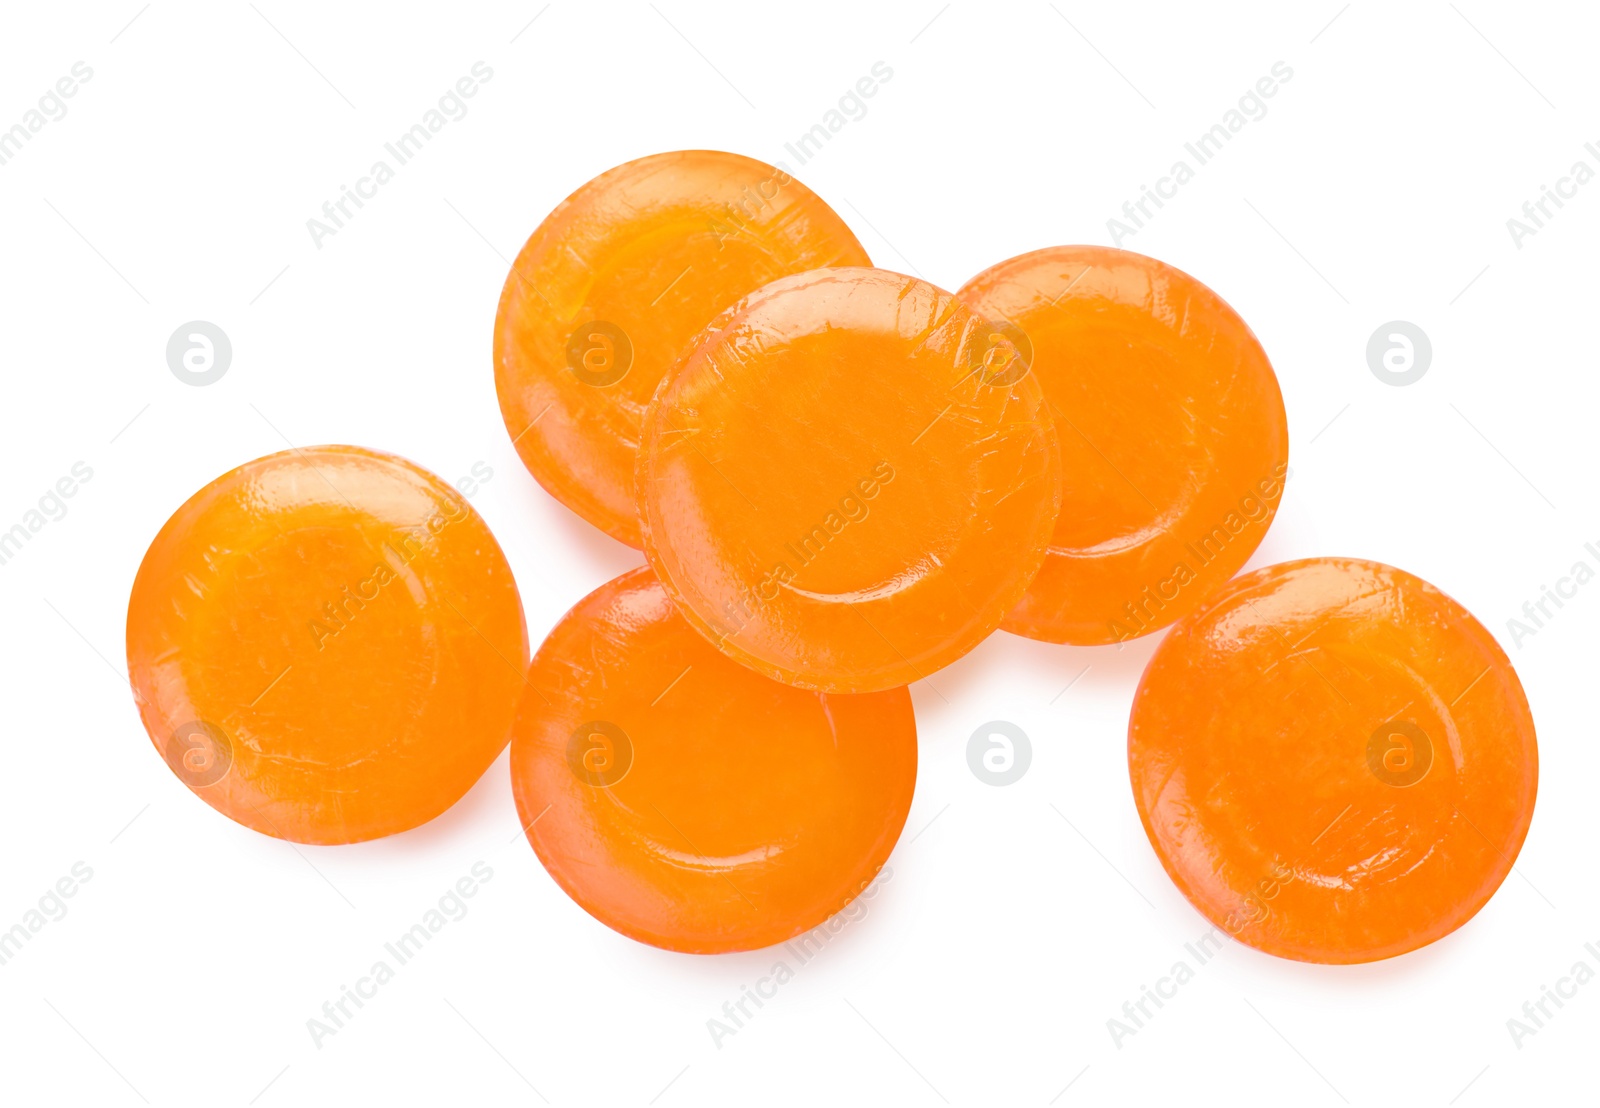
(845, 485)
(689, 802)
(1334, 761)
(327, 645)
(1174, 443)
(612, 286)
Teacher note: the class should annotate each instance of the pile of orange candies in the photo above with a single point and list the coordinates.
(842, 479)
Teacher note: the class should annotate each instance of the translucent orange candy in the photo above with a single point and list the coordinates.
(846, 485)
(1174, 443)
(1334, 761)
(327, 645)
(613, 285)
(689, 802)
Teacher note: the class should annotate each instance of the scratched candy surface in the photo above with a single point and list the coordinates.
(689, 802)
(1333, 760)
(1174, 443)
(326, 645)
(612, 285)
(848, 482)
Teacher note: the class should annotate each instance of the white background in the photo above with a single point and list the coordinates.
(177, 187)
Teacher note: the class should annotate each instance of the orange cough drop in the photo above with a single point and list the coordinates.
(327, 645)
(1334, 761)
(846, 485)
(611, 287)
(1174, 443)
(690, 803)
